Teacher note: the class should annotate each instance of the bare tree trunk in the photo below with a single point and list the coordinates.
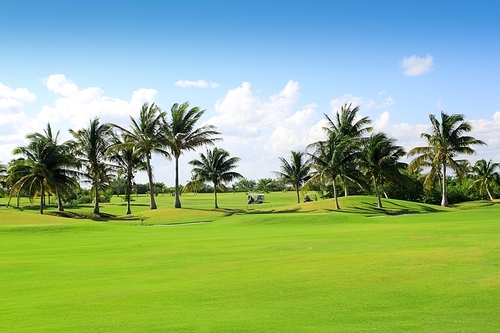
(336, 197)
(60, 207)
(96, 199)
(42, 199)
(377, 192)
(152, 202)
(215, 196)
(177, 203)
(128, 189)
(444, 192)
(489, 193)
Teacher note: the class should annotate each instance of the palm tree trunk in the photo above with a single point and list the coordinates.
(96, 199)
(298, 195)
(60, 207)
(215, 196)
(346, 188)
(177, 203)
(152, 202)
(444, 192)
(336, 197)
(41, 197)
(10, 198)
(489, 193)
(377, 192)
(128, 189)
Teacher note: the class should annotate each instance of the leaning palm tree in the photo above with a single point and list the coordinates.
(147, 138)
(181, 134)
(446, 141)
(127, 162)
(217, 167)
(296, 172)
(485, 176)
(90, 146)
(348, 125)
(380, 160)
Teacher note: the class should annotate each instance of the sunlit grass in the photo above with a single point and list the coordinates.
(276, 267)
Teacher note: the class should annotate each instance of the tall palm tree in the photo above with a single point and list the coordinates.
(380, 160)
(330, 159)
(296, 172)
(446, 141)
(347, 124)
(181, 134)
(90, 145)
(485, 176)
(216, 166)
(127, 162)
(147, 138)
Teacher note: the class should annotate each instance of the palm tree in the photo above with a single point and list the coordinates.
(193, 185)
(64, 174)
(90, 145)
(485, 176)
(445, 142)
(330, 159)
(127, 163)
(46, 166)
(216, 166)
(380, 160)
(348, 125)
(295, 172)
(181, 134)
(147, 138)
(3, 179)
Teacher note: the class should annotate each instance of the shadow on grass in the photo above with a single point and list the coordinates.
(101, 217)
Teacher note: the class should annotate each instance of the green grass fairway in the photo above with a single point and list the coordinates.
(278, 267)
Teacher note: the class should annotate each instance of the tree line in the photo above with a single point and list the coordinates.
(102, 152)
(351, 159)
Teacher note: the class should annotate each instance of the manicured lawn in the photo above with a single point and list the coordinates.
(302, 268)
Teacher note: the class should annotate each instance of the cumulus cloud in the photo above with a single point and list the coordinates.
(80, 105)
(73, 109)
(242, 113)
(414, 65)
(13, 121)
(197, 84)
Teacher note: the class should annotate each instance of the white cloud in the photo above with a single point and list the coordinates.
(197, 84)
(414, 65)
(244, 114)
(73, 109)
(59, 84)
(80, 105)
(14, 123)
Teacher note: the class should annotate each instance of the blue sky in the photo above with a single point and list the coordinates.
(265, 71)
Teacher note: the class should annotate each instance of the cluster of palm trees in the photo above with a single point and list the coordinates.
(349, 158)
(102, 151)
